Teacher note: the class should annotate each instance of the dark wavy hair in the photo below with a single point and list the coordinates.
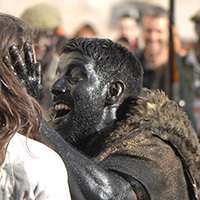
(111, 58)
(19, 112)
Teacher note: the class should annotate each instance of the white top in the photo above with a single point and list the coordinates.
(32, 171)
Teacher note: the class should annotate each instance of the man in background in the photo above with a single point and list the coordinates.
(129, 29)
(155, 57)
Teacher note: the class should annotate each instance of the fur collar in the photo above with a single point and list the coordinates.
(154, 114)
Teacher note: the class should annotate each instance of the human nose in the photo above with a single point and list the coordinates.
(59, 86)
(154, 36)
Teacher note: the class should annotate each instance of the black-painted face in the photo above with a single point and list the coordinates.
(79, 98)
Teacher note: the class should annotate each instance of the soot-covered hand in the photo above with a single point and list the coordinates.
(27, 70)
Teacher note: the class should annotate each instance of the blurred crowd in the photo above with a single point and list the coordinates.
(169, 64)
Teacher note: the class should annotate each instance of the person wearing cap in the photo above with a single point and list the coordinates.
(46, 20)
(192, 67)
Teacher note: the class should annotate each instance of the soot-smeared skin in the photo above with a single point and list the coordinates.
(79, 88)
(26, 69)
(95, 95)
(92, 86)
(86, 179)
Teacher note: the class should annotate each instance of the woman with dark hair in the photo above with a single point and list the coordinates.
(28, 169)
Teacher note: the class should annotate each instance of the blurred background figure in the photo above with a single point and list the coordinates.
(155, 54)
(155, 57)
(128, 27)
(49, 39)
(86, 30)
(192, 62)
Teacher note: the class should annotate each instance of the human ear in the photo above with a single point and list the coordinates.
(115, 92)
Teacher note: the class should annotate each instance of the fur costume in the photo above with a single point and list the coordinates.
(156, 144)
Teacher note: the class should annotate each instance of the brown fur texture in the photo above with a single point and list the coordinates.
(156, 115)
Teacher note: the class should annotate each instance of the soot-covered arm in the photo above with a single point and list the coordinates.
(86, 179)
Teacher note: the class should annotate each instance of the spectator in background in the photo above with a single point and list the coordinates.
(87, 30)
(29, 169)
(128, 27)
(155, 56)
(46, 21)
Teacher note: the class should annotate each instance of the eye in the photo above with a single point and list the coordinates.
(76, 75)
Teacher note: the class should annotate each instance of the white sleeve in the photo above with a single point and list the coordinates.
(33, 171)
(53, 182)
(46, 171)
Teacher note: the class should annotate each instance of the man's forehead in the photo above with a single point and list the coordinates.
(162, 19)
(72, 58)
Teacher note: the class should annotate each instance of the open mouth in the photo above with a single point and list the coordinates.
(62, 109)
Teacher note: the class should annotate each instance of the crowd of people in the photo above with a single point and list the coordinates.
(84, 116)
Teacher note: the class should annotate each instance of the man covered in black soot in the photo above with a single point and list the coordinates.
(119, 140)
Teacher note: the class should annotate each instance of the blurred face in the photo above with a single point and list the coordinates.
(43, 43)
(155, 33)
(85, 33)
(128, 28)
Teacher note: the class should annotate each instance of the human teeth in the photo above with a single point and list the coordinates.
(61, 107)
(66, 107)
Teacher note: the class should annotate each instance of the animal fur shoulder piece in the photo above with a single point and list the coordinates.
(156, 115)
